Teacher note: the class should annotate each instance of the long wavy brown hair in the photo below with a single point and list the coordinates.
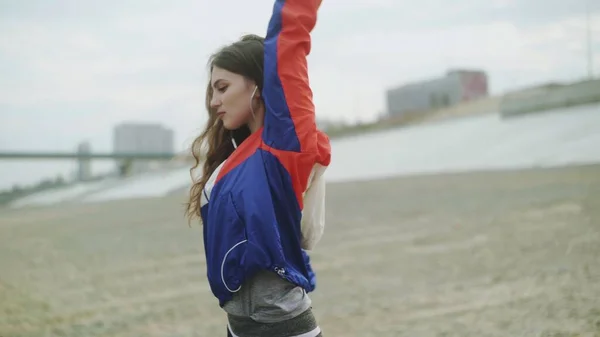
(213, 146)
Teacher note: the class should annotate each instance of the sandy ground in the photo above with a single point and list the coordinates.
(486, 254)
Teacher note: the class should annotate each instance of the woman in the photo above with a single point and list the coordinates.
(261, 194)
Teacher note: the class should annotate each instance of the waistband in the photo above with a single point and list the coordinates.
(303, 325)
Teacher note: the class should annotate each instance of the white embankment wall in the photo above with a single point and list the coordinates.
(547, 98)
(484, 142)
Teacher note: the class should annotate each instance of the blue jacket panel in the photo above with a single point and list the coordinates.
(251, 222)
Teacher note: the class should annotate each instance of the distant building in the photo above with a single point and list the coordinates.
(141, 138)
(457, 86)
(84, 166)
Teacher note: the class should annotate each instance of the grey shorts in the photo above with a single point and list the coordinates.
(303, 325)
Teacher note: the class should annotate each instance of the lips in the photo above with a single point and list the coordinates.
(220, 113)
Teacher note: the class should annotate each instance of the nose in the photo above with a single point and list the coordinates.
(215, 102)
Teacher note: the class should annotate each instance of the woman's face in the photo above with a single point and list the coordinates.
(231, 99)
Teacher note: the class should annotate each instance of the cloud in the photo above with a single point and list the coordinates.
(73, 69)
(501, 48)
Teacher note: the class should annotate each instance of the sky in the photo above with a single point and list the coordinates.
(70, 70)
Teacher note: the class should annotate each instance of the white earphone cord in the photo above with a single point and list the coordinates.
(251, 98)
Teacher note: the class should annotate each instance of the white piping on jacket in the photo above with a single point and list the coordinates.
(223, 266)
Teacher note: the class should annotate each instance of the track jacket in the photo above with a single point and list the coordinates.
(252, 207)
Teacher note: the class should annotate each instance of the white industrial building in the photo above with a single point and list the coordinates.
(142, 138)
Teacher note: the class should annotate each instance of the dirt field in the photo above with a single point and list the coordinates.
(488, 254)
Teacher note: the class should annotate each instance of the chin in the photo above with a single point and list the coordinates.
(231, 125)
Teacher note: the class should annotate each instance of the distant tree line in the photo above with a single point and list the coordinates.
(16, 192)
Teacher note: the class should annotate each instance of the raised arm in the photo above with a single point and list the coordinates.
(290, 114)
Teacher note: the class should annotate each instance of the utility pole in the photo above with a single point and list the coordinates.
(590, 56)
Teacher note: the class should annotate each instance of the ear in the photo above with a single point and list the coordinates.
(253, 87)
